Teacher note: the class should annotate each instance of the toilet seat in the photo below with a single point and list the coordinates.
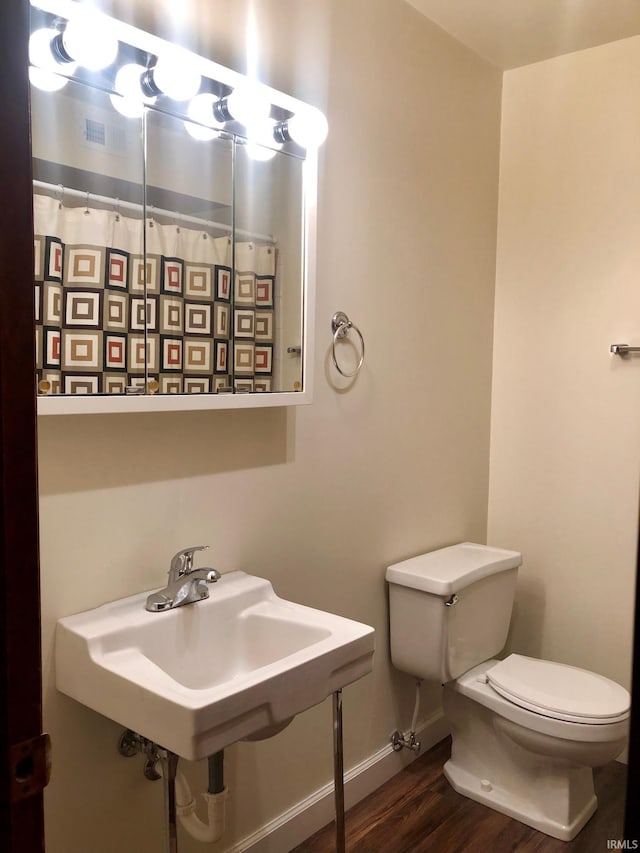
(475, 685)
(559, 691)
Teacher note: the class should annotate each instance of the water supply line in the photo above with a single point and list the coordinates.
(409, 741)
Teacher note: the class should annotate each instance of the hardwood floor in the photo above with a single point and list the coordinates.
(418, 811)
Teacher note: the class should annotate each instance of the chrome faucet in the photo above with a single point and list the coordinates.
(185, 584)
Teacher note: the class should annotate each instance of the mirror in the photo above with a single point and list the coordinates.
(172, 253)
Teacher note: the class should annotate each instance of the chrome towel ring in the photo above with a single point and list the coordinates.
(340, 326)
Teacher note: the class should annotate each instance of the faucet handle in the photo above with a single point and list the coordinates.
(182, 562)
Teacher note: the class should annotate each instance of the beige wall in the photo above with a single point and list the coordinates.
(564, 442)
(318, 499)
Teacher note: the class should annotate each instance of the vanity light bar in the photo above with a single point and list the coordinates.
(172, 71)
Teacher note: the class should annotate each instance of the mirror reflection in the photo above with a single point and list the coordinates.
(189, 258)
(269, 262)
(168, 254)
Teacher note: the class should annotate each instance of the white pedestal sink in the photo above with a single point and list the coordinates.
(195, 679)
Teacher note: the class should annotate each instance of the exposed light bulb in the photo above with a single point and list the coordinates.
(308, 128)
(203, 126)
(200, 133)
(260, 144)
(248, 104)
(259, 152)
(128, 107)
(176, 75)
(127, 82)
(130, 99)
(40, 47)
(89, 41)
(46, 80)
(40, 50)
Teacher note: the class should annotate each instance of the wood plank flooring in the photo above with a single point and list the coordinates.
(419, 811)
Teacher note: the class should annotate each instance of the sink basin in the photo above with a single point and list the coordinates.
(240, 664)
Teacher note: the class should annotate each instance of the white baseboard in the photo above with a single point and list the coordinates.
(292, 827)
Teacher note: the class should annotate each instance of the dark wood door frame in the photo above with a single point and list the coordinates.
(21, 817)
(632, 810)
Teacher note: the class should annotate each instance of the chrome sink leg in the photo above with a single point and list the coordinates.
(338, 771)
(171, 766)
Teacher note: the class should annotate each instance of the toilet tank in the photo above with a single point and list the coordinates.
(450, 609)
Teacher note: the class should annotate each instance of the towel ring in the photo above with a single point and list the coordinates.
(340, 326)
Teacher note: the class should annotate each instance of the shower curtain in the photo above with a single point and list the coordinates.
(110, 320)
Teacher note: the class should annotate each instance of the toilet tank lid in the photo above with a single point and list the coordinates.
(449, 570)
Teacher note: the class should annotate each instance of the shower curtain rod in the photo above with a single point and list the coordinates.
(118, 205)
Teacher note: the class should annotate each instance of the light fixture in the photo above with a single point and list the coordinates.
(74, 38)
(248, 104)
(86, 40)
(203, 126)
(174, 75)
(308, 128)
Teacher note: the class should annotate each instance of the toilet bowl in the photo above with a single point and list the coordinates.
(530, 766)
(526, 733)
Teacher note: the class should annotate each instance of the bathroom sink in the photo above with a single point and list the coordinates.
(238, 665)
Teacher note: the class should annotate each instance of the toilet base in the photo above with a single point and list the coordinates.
(541, 780)
(527, 812)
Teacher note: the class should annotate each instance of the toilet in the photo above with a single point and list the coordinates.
(526, 733)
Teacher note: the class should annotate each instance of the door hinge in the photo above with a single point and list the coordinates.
(30, 766)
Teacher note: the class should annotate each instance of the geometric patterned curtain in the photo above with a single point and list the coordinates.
(109, 318)
(254, 317)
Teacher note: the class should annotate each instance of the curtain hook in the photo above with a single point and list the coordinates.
(61, 199)
(151, 223)
(178, 219)
(116, 208)
(86, 207)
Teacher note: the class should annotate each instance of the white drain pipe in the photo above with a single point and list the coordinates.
(213, 829)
